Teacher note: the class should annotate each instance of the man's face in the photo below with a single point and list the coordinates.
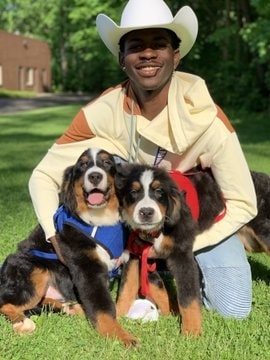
(149, 58)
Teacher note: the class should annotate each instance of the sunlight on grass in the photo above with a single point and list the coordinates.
(24, 139)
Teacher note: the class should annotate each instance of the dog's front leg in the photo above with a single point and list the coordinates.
(90, 277)
(129, 286)
(186, 274)
(159, 293)
(91, 280)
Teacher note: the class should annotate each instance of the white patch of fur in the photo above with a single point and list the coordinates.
(27, 326)
(105, 257)
(158, 242)
(146, 180)
(103, 185)
(94, 153)
(101, 216)
(125, 256)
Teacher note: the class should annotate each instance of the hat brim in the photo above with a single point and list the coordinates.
(184, 25)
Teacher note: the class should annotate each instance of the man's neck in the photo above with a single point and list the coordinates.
(152, 102)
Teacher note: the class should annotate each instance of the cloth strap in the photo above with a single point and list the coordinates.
(44, 255)
(140, 249)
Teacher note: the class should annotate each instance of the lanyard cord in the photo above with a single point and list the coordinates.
(160, 154)
(132, 135)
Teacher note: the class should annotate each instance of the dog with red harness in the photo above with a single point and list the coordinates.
(166, 216)
(165, 211)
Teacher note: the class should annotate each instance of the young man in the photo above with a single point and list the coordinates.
(167, 118)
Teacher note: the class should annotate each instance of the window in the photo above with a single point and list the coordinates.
(1, 75)
(29, 77)
(44, 77)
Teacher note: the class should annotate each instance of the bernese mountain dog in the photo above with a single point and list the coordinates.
(167, 210)
(90, 240)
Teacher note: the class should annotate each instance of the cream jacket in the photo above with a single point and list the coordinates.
(191, 128)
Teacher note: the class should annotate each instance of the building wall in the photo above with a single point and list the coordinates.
(25, 63)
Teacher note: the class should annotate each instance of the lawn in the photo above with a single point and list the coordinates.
(24, 139)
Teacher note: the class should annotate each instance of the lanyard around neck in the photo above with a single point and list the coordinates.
(160, 154)
(132, 136)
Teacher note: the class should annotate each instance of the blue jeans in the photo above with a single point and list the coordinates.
(226, 278)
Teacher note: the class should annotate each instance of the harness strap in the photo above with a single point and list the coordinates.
(112, 237)
(44, 255)
(221, 215)
(145, 269)
(54, 242)
(141, 250)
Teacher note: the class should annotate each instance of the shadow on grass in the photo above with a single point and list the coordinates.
(259, 271)
(251, 128)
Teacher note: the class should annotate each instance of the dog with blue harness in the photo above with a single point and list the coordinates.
(90, 241)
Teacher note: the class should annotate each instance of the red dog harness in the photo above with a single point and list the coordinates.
(185, 184)
(140, 248)
(192, 200)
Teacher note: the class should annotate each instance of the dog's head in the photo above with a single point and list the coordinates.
(88, 186)
(148, 197)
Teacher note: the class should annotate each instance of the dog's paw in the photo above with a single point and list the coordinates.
(72, 308)
(192, 331)
(26, 326)
(130, 341)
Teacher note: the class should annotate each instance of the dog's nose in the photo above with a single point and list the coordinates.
(146, 213)
(95, 178)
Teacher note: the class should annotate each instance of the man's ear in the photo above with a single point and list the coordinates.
(121, 59)
(176, 59)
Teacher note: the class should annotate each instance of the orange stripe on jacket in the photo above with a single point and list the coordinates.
(79, 129)
(221, 115)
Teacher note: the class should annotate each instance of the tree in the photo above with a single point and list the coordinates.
(231, 52)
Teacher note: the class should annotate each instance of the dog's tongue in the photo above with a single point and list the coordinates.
(95, 198)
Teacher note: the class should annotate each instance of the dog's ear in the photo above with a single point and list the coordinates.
(175, 201)
(67, 194)
(122, 171)
(120, 180)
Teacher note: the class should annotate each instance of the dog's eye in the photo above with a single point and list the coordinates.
(84, 164)
(107, 163)
(134, 193)
(158, 193)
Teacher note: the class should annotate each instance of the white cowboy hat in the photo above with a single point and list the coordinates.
(144, 14)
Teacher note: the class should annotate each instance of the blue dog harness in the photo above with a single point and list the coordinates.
(44, 255)
(111, 238)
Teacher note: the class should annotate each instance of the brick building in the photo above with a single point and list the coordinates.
(24, 63)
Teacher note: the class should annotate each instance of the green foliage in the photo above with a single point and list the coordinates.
(231, 52)
(256, 34)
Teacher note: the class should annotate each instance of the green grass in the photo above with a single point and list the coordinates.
(17, 94)
(24, 139)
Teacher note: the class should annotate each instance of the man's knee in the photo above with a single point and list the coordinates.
(228, 291)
